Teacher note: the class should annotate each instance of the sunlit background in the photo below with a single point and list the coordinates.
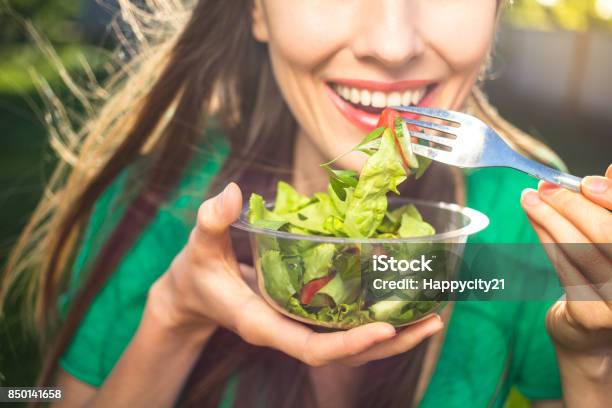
(551, 75)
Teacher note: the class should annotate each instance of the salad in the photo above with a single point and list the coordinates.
(325, 283)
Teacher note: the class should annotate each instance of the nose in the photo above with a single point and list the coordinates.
(386, 32)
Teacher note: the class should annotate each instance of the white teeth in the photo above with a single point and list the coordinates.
(407, 98)
(366, 97)
(379, 99)
(394, 99)
(417, 96)
(345, 92)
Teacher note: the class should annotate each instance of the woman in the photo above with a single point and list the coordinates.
(161, 308)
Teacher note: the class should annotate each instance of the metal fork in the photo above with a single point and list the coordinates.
(474, 144)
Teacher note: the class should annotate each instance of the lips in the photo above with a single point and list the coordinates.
(361, 102)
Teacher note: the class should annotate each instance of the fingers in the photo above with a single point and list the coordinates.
(560, 228)
(260, 325)
(568, 322)
(576, 286)
(407, 339)
(322, 348)
(599, 190)
(594, 221)
(215, 216)
(585, 263)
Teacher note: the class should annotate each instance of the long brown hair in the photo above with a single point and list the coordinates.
(189, 65)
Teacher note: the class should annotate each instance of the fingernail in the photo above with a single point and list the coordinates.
(436, 326)
(548, 188)
(221, 197)
(390, 331)
(596, 184)
(530, 197)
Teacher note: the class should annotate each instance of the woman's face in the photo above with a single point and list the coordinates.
(339, 62)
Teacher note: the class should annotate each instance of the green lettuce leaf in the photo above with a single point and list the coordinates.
(327, 314)
(277, 278)
(288, 200)
(371, 142)
(295, 269)
(295, 307)
(405, 316)
(424, 163)
(412, 227)
(318, 261)
(408, 209)
(353, 206)
(311, 218)
(270, 224)
(386, 310)
(352, 315)
(334, 225)
(257, 208)
(348, 263)
(386, 235)
(290, 246)
(259, 212)
(340, 204)
(326, 204)
(367, 206)
(393, 219)
(340, 291)
(340, 180)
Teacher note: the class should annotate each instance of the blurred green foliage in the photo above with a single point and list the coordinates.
(25, 157)
(578, 15)
(57, 19)
(19, 61)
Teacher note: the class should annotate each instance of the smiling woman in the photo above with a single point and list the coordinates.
(337, 70)
(158, 297)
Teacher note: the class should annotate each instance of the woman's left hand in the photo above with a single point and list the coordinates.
(580, 324)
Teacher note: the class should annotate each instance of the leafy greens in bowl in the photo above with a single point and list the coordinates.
(316, 257)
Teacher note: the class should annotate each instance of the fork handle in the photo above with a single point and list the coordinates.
(546, 173)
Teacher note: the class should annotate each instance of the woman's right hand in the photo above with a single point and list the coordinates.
(204, 289)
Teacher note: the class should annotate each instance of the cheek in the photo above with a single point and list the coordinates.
(302, 41)
(461, 31)
(301, 35)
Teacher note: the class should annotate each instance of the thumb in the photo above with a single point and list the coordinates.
(215, 216)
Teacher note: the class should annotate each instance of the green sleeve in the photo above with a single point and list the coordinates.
(115, 313)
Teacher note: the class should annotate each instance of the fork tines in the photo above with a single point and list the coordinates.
(443, 141)
(431, 112)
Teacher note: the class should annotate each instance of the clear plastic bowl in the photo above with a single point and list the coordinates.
(359, 293)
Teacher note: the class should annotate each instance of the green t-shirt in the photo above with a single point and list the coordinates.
(489, 346)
